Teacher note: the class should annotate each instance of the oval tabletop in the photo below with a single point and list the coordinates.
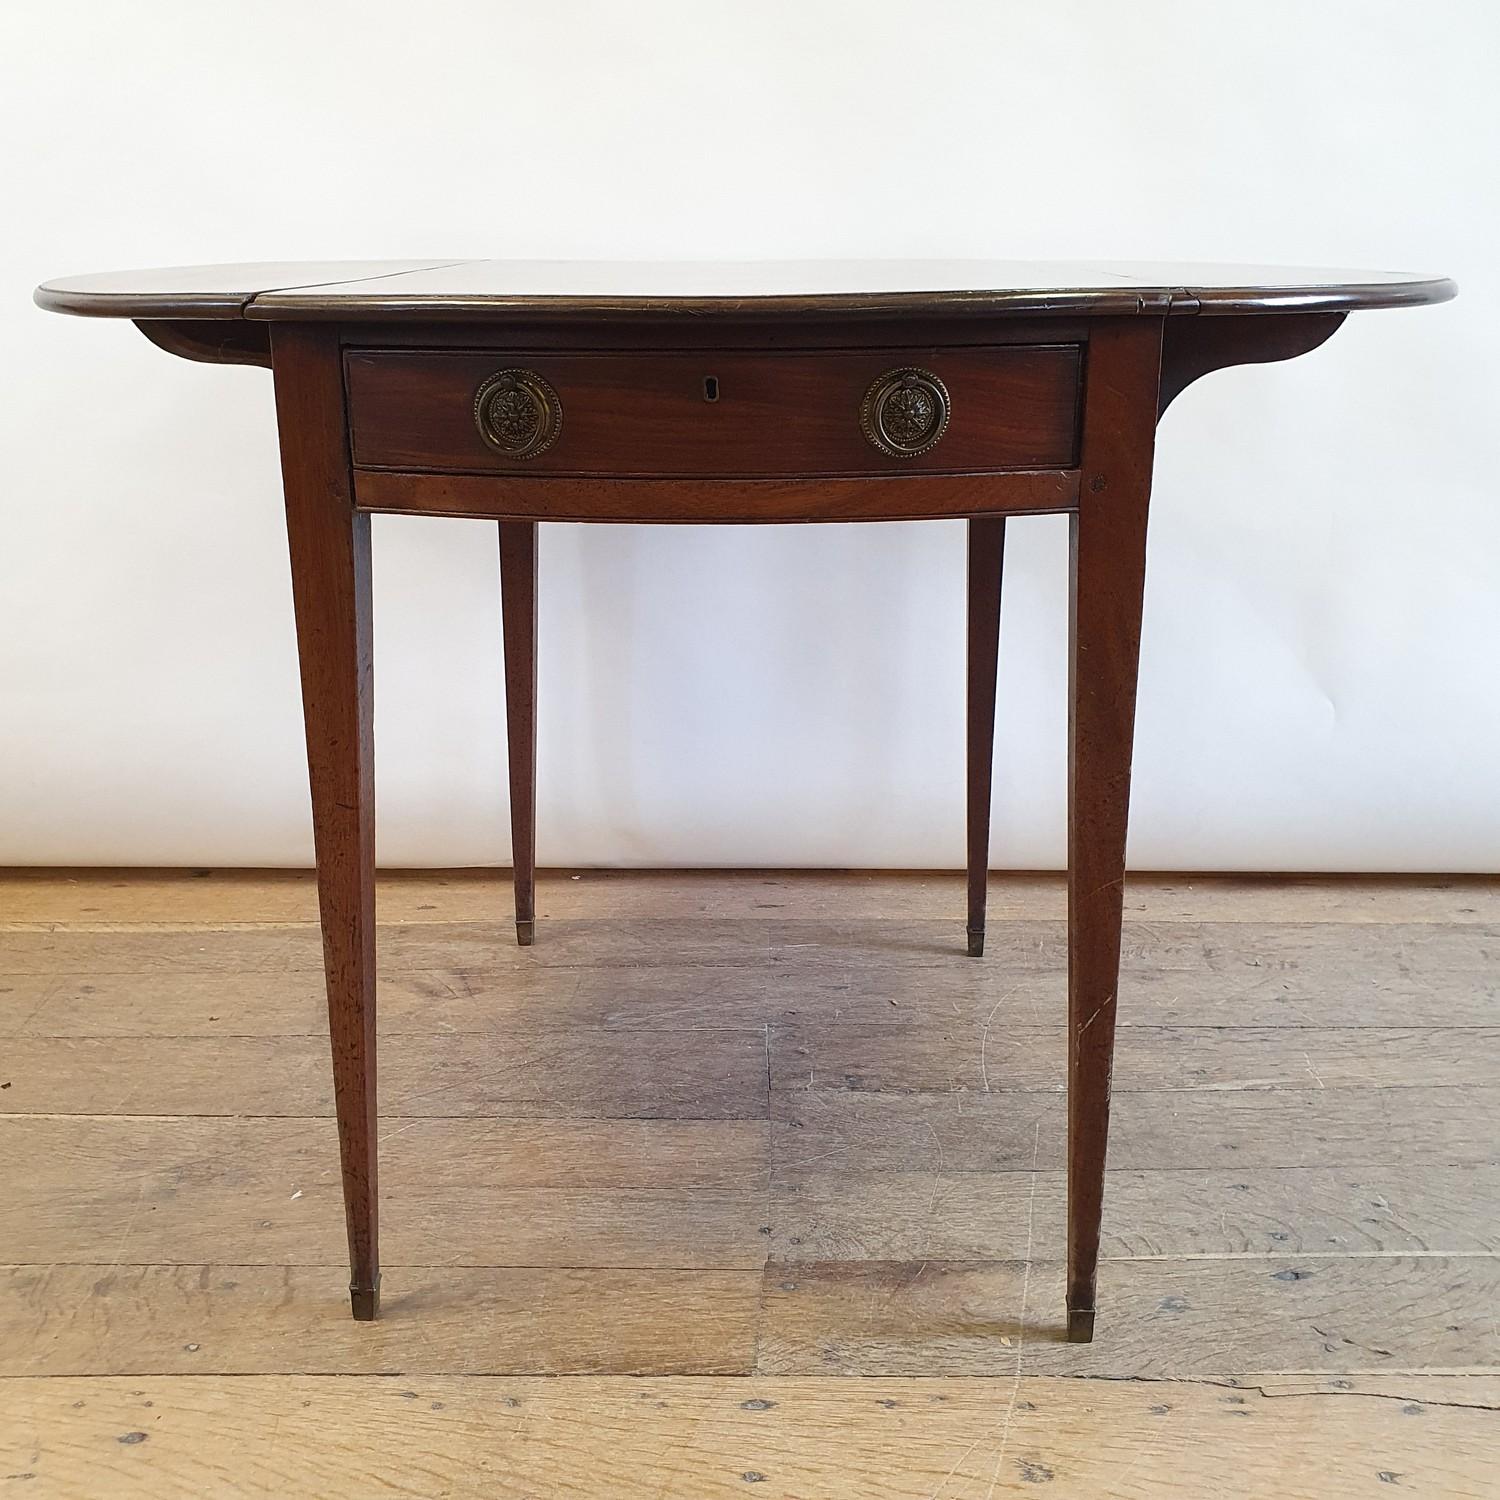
(437, 289)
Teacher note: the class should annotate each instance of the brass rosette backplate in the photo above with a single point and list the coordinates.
(905, 412)
(518, 413)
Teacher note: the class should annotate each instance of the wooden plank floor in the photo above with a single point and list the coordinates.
(749, 1180)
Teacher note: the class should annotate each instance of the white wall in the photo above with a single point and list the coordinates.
(1319, 685)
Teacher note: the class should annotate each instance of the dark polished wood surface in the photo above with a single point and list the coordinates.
(204, 291)
(986, 565)
(518, 628)
(1107, 558)
(533, 391)
(498, 288)
(331, 585)
(739, 502)
(775, 414)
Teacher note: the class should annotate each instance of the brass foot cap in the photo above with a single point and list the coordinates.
(976, 942)
(526, 932)
(364, 1302)
(1080, 1325)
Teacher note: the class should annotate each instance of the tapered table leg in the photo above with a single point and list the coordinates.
(1108, 565)
(986, 563)
(330, 553)
(518, 625)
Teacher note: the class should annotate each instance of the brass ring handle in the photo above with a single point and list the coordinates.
(905, 412)
(518, 413)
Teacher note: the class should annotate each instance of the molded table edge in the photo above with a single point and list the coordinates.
(1095, 302)
(192, 305)
(293, 303)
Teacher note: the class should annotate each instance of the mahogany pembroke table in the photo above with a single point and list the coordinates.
(816, 391)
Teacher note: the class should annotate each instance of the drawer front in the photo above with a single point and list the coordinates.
(717, 414)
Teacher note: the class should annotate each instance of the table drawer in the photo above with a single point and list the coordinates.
(705, 414)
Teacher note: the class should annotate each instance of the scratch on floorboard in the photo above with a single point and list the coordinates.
(1015, 1389)
(984, 1036)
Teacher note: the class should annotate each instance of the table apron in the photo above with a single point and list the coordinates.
(723, 501)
